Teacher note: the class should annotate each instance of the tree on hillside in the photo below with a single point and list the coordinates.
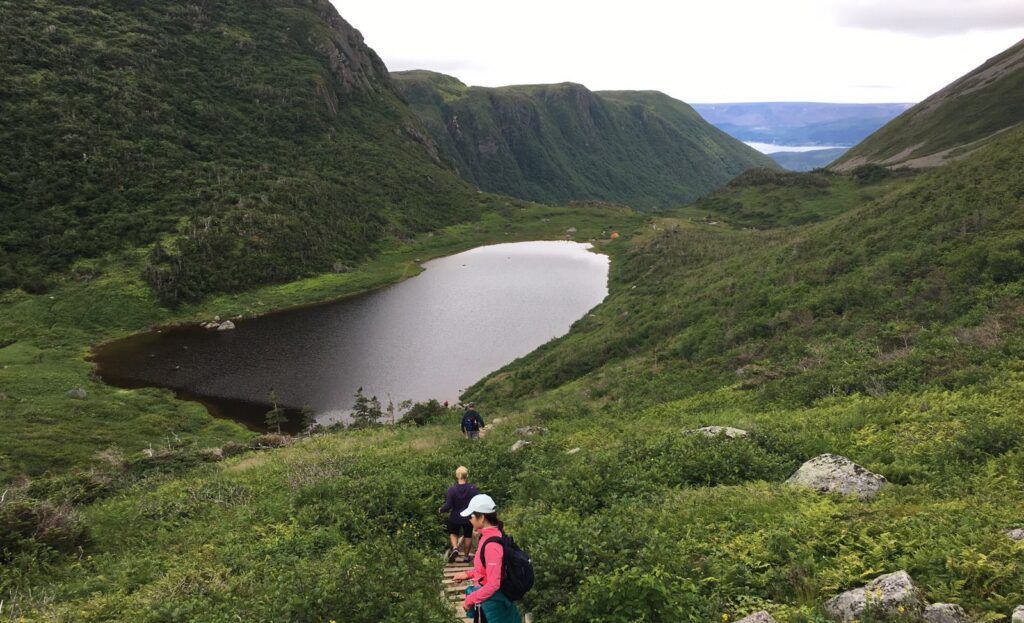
(366, 412)
(277, 415)
(308, 418)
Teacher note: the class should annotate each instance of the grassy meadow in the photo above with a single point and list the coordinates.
(889, 332)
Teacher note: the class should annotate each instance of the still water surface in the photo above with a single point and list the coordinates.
(428, 337)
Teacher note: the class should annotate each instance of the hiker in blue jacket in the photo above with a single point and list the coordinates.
(472, 423)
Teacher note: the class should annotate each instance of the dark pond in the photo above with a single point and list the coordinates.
(431, 336)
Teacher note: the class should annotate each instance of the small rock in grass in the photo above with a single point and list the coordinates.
(758, 617)
(519, 445)
(831, 473)
(945, 613)
(574, 450)
(77, 393)
(885, 595)
(1018, 615)
(270, 440)
(527, 431)
(1017, 534)
(211, 455)
(715, 431)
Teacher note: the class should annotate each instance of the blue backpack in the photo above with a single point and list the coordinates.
(516, 567)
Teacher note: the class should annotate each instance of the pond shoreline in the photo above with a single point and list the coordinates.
(298, 353)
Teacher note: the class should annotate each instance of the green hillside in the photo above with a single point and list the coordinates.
(256, 142)
(891, 333)
(560, 142)
(877, 315)
(918, 286)
(763, 198)
(953, 121)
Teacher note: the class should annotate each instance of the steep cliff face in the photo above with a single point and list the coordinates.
(560, 142)
(953, 122)
(257, 141)
(353, 63)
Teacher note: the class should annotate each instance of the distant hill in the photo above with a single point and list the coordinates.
(800, 123)
(562, 141)
(952, 122)
(256, 142)
(806, 160)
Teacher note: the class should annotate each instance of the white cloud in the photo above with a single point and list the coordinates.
(722, 51)
(931, 17)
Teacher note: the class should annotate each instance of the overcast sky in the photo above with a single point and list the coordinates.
(699, 52)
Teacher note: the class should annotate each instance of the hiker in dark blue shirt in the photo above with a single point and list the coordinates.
(472, 423)
(460, 530)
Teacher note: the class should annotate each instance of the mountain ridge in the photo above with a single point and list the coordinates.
(952, 122)
(242, 144)
(559, 142)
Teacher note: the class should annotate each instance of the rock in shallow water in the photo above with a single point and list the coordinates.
(832, 473)
(886, 594)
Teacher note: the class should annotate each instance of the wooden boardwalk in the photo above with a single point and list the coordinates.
(455, 591)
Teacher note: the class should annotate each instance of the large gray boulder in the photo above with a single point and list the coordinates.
(830, 473)
(945, 613)
(885, 594)
(76, 393)
(758, 617)
(1018, 615)
(715, 431)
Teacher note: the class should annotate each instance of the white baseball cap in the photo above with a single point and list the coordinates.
(480, 504)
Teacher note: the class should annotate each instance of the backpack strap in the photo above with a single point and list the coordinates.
(483, 547)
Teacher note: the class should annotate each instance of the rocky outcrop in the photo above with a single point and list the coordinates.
(519, 445)
(945, 613)
(528, 431)
(715, 431)
(885, 595)
(1018, 615)
(830, 473)
(77, 393)
(354, 65)
(758, 617)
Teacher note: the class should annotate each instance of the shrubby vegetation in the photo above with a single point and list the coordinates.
(919, 287)
(227, 136)
(887, 328)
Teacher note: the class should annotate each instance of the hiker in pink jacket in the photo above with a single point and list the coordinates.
(492, 605)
